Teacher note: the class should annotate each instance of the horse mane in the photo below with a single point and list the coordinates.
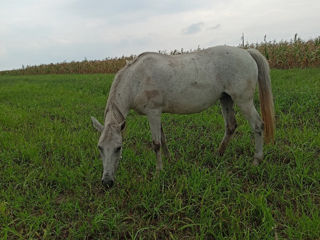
(135, 59)
(117, 80)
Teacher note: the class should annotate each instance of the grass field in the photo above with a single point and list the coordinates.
(50, 170)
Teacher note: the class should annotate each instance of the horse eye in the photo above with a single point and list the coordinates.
(117, 149)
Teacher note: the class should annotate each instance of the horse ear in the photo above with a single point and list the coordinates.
(122, 125)
(117, 114)
(98, 126)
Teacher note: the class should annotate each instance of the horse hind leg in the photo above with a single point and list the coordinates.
(249, 111)
(164, 144)
(229, 119)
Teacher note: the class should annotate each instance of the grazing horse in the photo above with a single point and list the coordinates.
(189, 83)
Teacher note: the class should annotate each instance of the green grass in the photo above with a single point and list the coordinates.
(50, 169)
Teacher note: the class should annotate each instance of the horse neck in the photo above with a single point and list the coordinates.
(118, 104)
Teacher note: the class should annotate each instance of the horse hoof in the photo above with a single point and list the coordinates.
(221, 152)
(159, 170)
(221, 149)
(255, 162)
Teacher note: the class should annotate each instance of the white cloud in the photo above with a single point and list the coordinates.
(3, 50)
(44, 31)
(193, 28)
(215, 27)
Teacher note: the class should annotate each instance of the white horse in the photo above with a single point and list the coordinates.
(190, 83)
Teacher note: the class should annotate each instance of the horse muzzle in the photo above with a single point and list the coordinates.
(107, 182)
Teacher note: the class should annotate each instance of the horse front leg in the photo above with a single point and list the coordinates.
(154, 118)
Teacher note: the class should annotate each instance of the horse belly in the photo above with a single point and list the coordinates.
(193, 99)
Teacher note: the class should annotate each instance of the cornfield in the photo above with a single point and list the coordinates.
(295, 53)
(96, 66)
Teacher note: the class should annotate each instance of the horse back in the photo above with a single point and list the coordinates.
(190, 83)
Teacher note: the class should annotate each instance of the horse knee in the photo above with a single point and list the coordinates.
(156, 146)
(259, 128)
(232, 128)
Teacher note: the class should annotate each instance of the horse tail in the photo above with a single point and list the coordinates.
(265, 95)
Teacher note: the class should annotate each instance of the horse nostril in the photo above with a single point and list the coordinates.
(108, 183)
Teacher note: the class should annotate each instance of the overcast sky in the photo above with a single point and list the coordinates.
(36, 32)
